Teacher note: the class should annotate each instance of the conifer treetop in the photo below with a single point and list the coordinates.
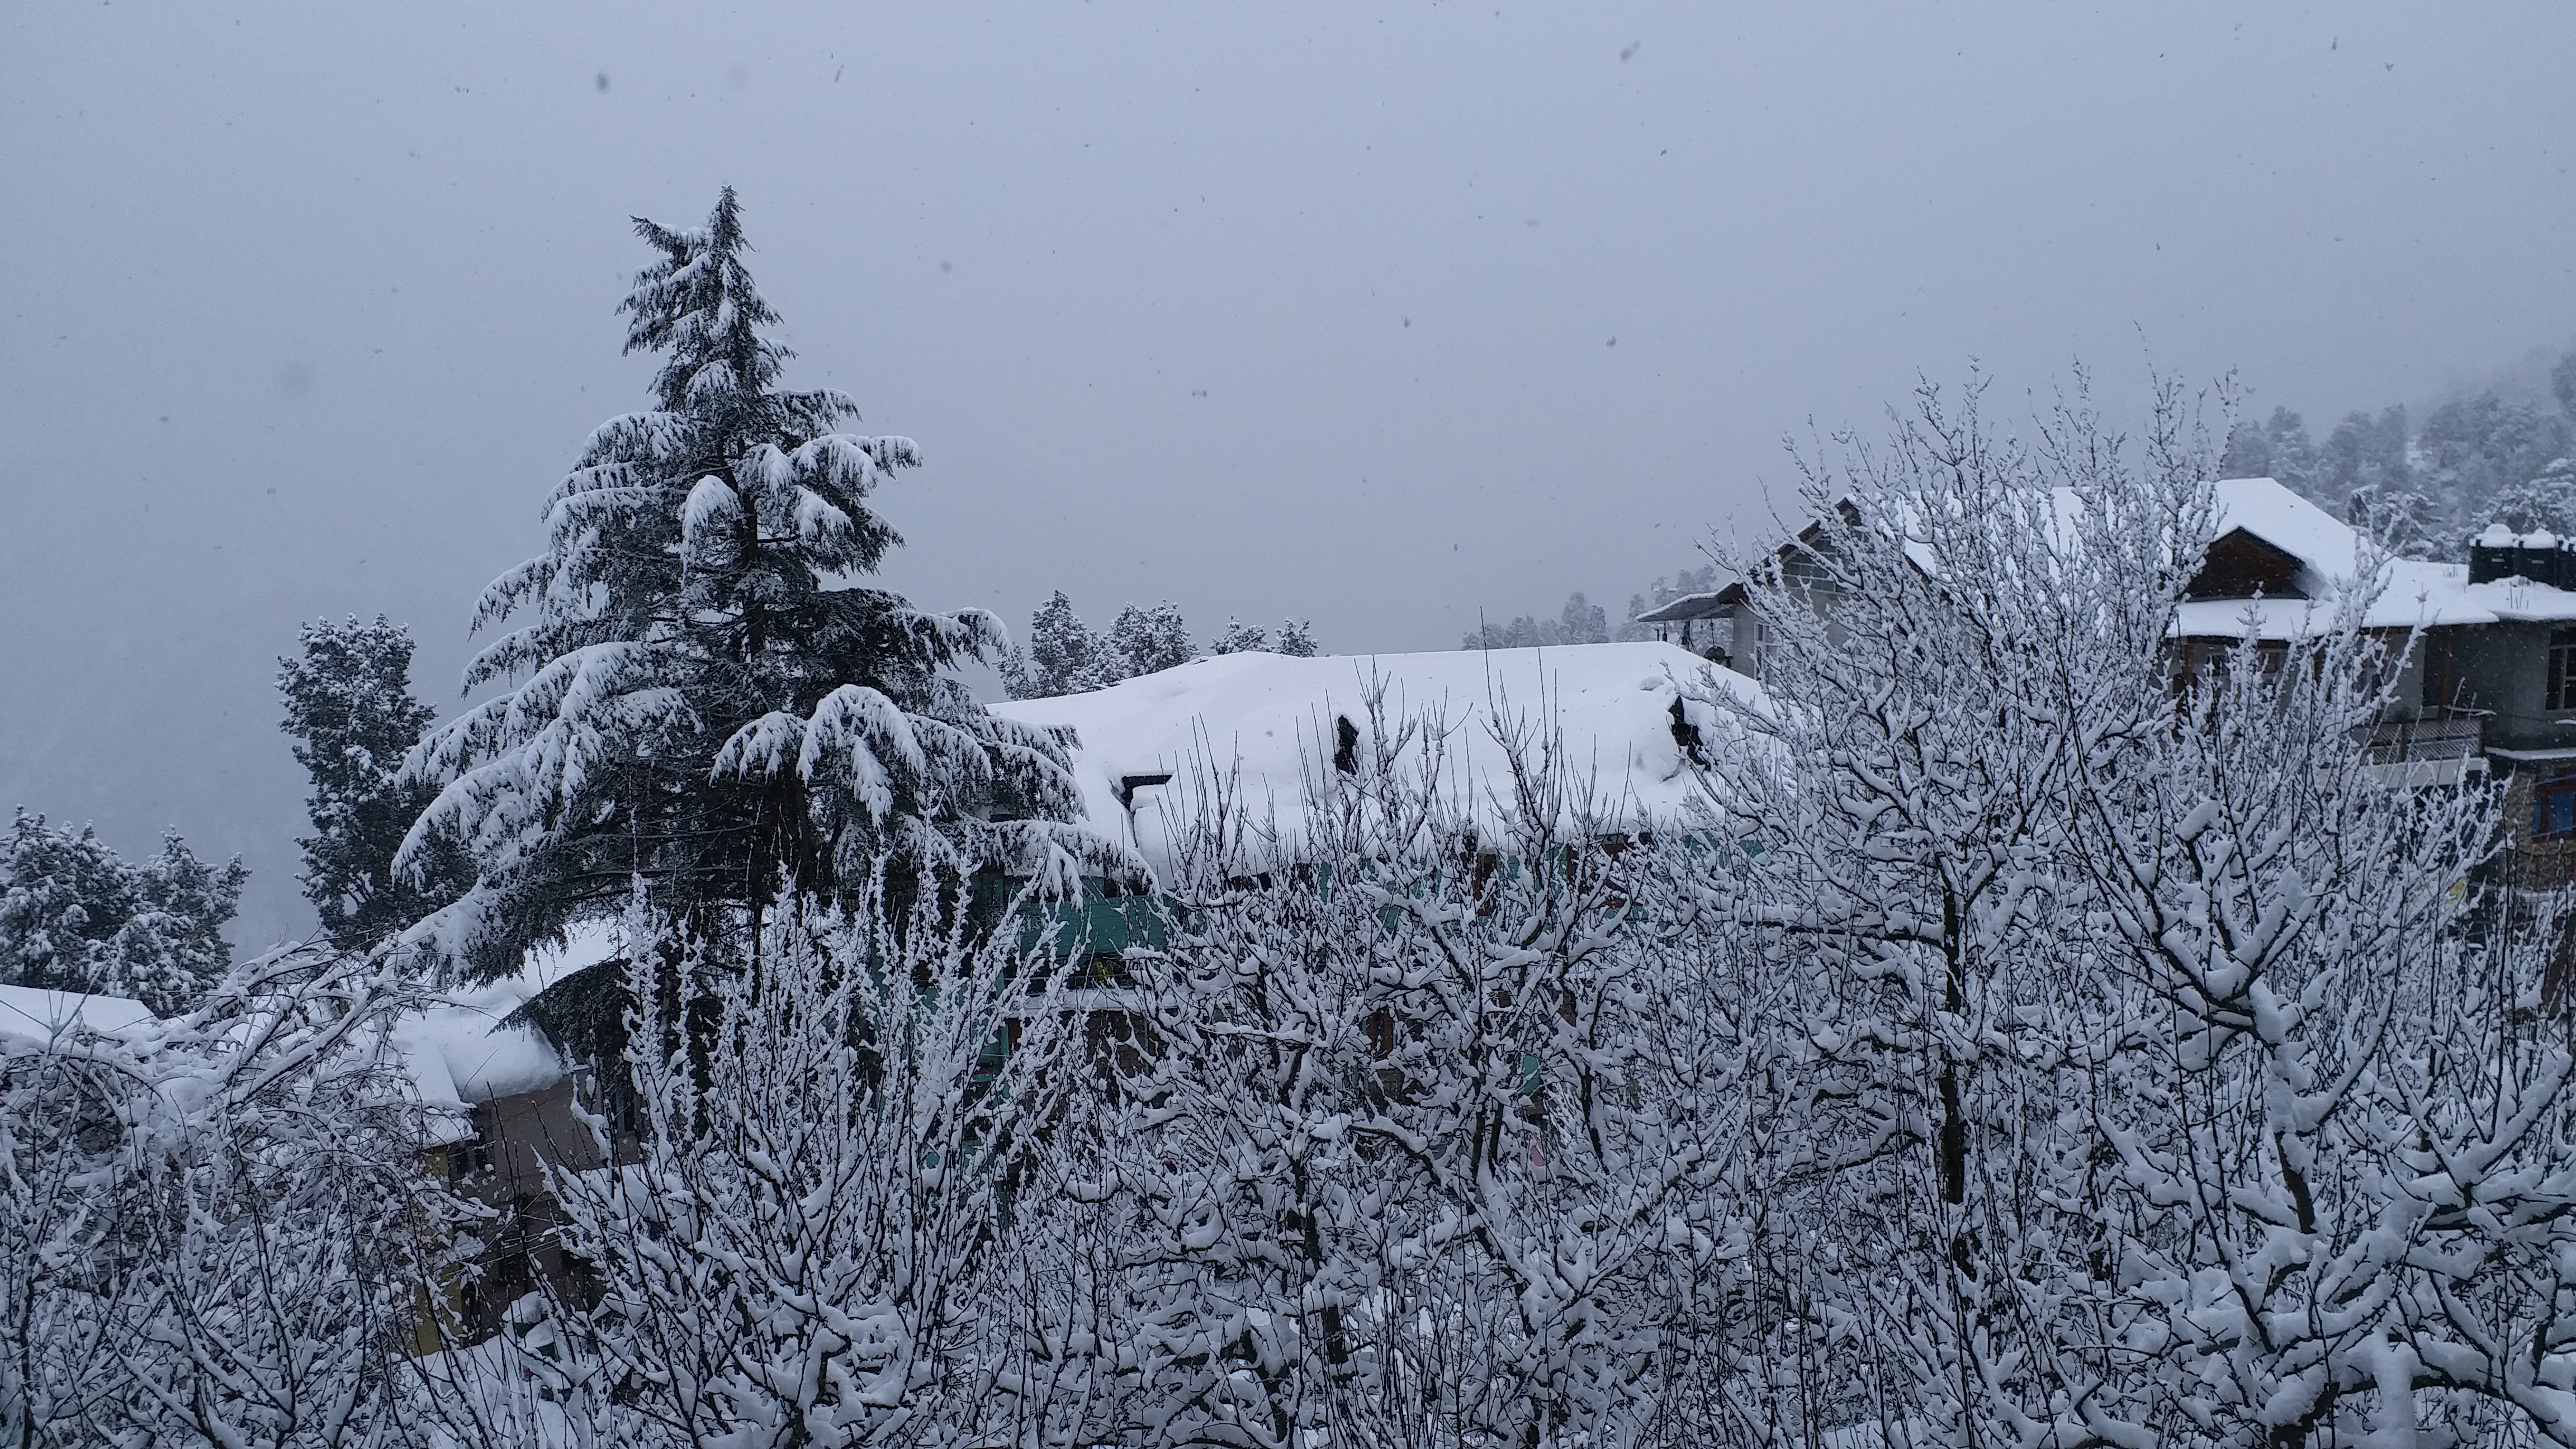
(704, 695)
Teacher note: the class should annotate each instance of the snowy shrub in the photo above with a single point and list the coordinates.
(813, 1188)
(2140, 1070)
(1412, 1124)
(215, 1230)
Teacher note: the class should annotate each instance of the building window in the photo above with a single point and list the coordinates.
(2562, 670)
(2553, 805)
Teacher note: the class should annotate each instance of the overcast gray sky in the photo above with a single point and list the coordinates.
(1296, 309)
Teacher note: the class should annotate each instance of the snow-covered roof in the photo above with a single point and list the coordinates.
(1711, 604)
(461, 1051)
(2416, 593)
(457, 1053)
(1261, 727)
(31, 1013)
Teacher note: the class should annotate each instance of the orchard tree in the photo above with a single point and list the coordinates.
(351, 713)
(805, 1247)
(704, 699)
(218, 1229)
(2144, 1070)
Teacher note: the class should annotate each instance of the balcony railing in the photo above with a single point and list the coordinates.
(2448, 735)
(2441, 748)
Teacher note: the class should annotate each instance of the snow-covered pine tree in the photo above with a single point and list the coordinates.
(350, 710)
(1239, 637)
(75, 916)
(1582, 621)
(1296, 639)
(1148, 641)
(2547, 502)
(1064, 655)
(704, 699)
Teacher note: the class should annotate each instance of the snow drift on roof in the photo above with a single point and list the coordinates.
(460, 1052)
(1265, 727)
(32, 1014)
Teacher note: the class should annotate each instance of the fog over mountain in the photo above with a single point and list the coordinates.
(1380, 316)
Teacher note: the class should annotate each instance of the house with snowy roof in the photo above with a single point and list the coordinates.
(1260, 735)
(500, 1101)
(2489, 687)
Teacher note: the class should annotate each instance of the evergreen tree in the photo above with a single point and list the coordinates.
(75, 916)
(1582, 622)
(2277, 448)
(2475, 448)
(1241, 638)
(704, 699)
(350, 710)
(1523, 632)
(1148, 641)
(2249, 451)
(2402, 520)
(2544, 504)
(1701, 580)
(1578, 622)
(2366, 452)
(1064, 655)
(1297, 639)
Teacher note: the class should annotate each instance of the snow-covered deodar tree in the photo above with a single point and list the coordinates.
(350, 711)
(2145, 1068)
(705, 698)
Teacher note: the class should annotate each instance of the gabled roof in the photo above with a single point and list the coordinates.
(2330, 556)
(464, 1050)
(457, 1053)
(2416, 593)
(1151, 753)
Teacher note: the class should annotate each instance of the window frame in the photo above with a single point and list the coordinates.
(2554, 795)
(2558, 686)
